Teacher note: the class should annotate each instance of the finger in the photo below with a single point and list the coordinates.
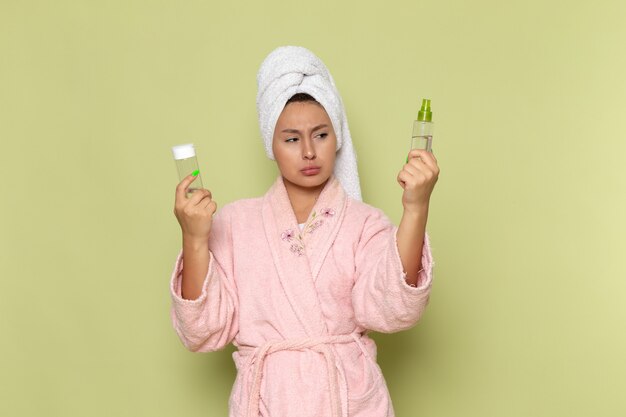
(417, 153)
(205, 201)
(197, 197)
(429, 159)
(414, 167)
(181, 188)
(208, 192)
(425, 161)
(422, 162)
(418, 179)
(212, 207)
(403, 178)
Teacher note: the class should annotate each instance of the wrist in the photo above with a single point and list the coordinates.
(195, 243)
(415, 210)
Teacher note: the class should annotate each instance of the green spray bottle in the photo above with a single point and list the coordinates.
(422, 137)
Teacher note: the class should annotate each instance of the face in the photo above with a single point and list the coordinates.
(304, 145)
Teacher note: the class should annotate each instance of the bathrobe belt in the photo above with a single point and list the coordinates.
(319, 344)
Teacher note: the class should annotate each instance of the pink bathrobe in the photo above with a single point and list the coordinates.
(298, 304)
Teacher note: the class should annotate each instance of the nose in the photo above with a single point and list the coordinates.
(308, 150)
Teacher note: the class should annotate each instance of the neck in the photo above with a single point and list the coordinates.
(302, 199)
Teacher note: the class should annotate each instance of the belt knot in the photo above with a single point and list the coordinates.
(321, 344)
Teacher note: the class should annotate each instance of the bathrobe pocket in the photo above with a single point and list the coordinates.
(238, 401)
(235, 402)
(368, 395)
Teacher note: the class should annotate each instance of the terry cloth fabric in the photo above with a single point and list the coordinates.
(298, 305)
(289, 70)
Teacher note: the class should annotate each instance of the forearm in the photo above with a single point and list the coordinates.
(410, 238)
(195, 267)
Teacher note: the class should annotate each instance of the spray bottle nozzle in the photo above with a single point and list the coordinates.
(425, 115)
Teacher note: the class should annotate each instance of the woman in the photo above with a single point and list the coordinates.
(296, 278)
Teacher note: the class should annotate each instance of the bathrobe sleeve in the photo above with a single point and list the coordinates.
(209, 323)
(381, 298)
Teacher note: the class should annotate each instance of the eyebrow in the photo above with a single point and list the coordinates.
(297, 131)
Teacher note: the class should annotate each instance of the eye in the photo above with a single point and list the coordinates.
(322, 135)
(291, 140)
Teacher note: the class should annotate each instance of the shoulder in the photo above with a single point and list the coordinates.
(361, 209)
(365, 215)
(238, 209)
(241, 207)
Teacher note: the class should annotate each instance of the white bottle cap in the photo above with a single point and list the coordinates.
(183, 151)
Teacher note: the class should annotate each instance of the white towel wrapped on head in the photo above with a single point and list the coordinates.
(289, 70)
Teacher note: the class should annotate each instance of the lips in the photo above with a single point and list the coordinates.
(312, 170)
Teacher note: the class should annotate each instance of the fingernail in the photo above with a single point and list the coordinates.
(195, 173)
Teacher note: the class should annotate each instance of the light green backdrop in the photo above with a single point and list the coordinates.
(527, 315)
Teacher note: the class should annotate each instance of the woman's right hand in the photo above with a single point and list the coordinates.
(194, 214)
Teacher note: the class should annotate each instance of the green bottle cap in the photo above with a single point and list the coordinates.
(425, 115)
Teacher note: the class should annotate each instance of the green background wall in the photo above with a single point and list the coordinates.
(527, 316)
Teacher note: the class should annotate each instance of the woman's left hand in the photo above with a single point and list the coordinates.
(418, 178)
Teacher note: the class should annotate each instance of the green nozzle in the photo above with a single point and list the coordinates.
(425, 115)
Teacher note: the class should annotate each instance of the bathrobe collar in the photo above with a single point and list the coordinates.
(299, 254)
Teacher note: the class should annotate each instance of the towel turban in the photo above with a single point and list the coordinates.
(289, 70)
